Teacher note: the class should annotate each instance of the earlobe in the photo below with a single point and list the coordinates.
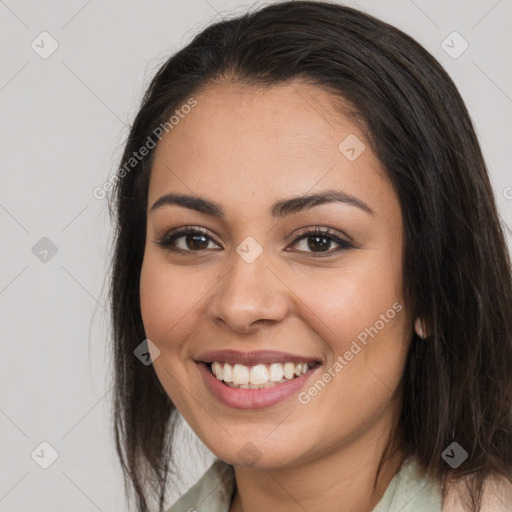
(418, 327)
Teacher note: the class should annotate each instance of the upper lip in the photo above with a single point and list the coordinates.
(252, 358)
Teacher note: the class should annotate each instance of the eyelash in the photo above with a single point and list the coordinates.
(168, 239)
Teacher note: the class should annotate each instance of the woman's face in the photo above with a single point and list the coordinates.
(253, 284)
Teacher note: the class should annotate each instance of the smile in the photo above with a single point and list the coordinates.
(259, 376)
(247, 395)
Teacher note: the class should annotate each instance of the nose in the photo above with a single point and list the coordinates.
(249, 295)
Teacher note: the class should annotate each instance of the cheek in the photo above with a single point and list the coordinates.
(344, 301)
(166, 300)
(358, 311)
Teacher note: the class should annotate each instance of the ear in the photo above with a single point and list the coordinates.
(418, 327)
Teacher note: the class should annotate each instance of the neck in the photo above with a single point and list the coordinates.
(344, 476)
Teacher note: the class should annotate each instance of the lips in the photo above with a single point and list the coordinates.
(253, 398)
(266, 395)
(253, 358)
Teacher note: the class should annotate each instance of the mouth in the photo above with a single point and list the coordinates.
(248, 395)
(255, 380)
(259, 376)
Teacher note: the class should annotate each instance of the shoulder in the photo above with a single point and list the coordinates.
(496, 495)
(410, 490)
(215, 489)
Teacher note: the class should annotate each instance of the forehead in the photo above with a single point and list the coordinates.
(262, 144)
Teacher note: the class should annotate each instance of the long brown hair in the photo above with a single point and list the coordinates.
(457, 383)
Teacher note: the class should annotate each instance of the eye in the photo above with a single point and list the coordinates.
(194, 240)
(316, 240)
(319, 240)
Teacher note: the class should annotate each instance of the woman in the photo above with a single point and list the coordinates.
(307, 249)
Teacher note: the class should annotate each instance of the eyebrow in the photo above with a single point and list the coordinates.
(279, 209)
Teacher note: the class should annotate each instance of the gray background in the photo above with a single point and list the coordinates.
(63, 120)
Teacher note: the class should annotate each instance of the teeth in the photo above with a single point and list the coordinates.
(253, 386)
(240, 374)
(258, 376)
(275, 372)
(228, 373)
(217, 370)
(289, 370)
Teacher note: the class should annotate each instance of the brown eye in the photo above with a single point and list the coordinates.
(320, 241)
(315, 241)
(186, 240)
(196, 242)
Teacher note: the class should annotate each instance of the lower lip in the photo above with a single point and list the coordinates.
(252, 398)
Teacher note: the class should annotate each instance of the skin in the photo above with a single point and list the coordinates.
(262, 146)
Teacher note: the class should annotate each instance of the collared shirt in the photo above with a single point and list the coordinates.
(408, 491)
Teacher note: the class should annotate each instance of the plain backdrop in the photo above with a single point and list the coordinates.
(63, 120)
